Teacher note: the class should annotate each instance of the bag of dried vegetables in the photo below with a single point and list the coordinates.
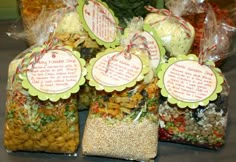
(194, 109)
(123, 118)
(41, 106)
(31, 9)
(177, 35)
(198, 19)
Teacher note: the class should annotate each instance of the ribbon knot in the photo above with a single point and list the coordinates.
(203, 53)
(126, 52)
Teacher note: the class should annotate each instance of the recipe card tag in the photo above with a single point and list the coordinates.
(99, 21)
(187, 83)
(112, 71)
(54, 75)
(154, 45)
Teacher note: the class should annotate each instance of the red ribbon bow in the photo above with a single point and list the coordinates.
(126, 51)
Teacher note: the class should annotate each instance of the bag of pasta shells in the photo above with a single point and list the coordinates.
(123, 117)
(41, 105)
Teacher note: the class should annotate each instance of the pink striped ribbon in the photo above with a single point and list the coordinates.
(203, 53)
(126, 51)
(28, 62)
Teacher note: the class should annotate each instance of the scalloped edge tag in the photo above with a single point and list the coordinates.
(111, 71)
(187, 83)
(57, 74)
(104, 29)
(154, 45)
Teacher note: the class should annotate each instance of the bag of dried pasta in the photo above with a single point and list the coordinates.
(194, 109)
(123, 118)
(41, 106)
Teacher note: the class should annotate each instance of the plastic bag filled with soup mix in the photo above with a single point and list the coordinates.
(200, 21)
(204, 126)
(41, 106)
(177, 35)
(194, 110)
(123, 118)
(31, 9)
(88, 27)
(72, 30)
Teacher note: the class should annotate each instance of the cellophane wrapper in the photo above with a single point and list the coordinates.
(124, 124)
(66, 25)
(32, 124)
(177, 35)
(35, 125)
(31, 9)
(215, 25)
(202, 127)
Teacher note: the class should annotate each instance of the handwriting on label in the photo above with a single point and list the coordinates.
(189, 81)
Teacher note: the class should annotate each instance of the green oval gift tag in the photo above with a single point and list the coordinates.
(99, 21)
(187, 83)
(55, 74)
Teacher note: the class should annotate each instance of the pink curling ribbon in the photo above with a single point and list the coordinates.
(28, 63)
(204, 52)
(168, 15)
(126, 51)
(51, 44)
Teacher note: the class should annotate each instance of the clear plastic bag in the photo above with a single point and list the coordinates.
(177, 35)
(33, 124)
(124, 124)
(203, 126)
(31, 9)
(221, 24)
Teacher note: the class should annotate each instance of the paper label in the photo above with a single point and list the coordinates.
(100, 22)
(56, 75)
(157, 51)
(154, 48)
(110, 70)
(188, 83)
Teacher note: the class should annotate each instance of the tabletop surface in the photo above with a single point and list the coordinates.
(167, 152)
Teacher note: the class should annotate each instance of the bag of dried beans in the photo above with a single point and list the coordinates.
(194, 107)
